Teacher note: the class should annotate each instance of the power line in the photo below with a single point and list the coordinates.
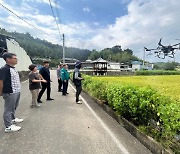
(58, 15)
(55, 18)
(23, 19)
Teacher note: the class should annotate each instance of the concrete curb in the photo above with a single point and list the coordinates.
(147, 141)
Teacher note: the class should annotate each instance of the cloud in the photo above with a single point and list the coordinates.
(143, 25)
(86, 9)
(53, 3)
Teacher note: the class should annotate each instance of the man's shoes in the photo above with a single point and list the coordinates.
(12, 128)
(78, 102)
(35, 106)
(39, 101)
(67, 93)
(60, 90)
(17, 120)
(50, 99)
(64, 94)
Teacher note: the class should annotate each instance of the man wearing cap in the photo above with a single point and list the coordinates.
(77, 80)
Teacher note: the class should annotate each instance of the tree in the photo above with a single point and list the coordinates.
(42, 48)
(129, 51)
(170, 65)
(94, 55)
(116, 49)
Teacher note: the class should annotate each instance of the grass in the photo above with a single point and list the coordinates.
(166, 84)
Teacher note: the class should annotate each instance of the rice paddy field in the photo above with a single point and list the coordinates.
(168, 85)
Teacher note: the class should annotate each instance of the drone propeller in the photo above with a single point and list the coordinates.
(160, 42)
(175, 44)
(146, 49)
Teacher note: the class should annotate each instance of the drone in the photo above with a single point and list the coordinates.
(164, 51)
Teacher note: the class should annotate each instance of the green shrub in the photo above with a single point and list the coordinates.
(139, 105)
(132, 102)
(169, 113)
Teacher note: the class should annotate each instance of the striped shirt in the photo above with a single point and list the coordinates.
(10, 78)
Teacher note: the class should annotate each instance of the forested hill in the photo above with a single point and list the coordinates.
(37, 48)
(41, 48)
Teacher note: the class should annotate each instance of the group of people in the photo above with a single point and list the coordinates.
(10, 86)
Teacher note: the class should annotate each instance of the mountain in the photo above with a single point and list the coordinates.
(38, 48)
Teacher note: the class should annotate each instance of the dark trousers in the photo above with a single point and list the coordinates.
(65, 87)
(59, 84)
(44, 87)
(78, 92)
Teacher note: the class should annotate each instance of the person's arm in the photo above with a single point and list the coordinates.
(41, 77)
(2, 78)
(76, 76)
(34, 80)
(58, 73)
(1, 87)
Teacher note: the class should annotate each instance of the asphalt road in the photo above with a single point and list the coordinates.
(64, 127)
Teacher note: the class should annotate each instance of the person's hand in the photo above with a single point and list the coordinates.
(1, 94)
(64, 80)
(44, 81)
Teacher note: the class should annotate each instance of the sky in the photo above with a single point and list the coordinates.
(98, 24)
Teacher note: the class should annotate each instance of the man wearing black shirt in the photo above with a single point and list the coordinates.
(10, 90)
(44, 71)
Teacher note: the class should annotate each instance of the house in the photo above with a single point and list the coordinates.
(87, 64)
(70, 62)
(137, 65)
(100, 66)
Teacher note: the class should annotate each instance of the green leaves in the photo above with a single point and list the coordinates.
(138, 104)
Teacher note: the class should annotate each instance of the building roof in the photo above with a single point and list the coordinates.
(99, 60)
(136, 63)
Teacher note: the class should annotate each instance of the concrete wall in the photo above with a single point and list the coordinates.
(23, 59)
(2, 62)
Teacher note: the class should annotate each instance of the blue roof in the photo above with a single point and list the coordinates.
(136, 62)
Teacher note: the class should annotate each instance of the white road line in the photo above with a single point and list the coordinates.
(120, 146)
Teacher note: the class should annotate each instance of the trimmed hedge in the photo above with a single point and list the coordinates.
(140, 105)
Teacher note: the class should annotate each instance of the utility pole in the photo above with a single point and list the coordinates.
(63, 51)
(144, 58)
